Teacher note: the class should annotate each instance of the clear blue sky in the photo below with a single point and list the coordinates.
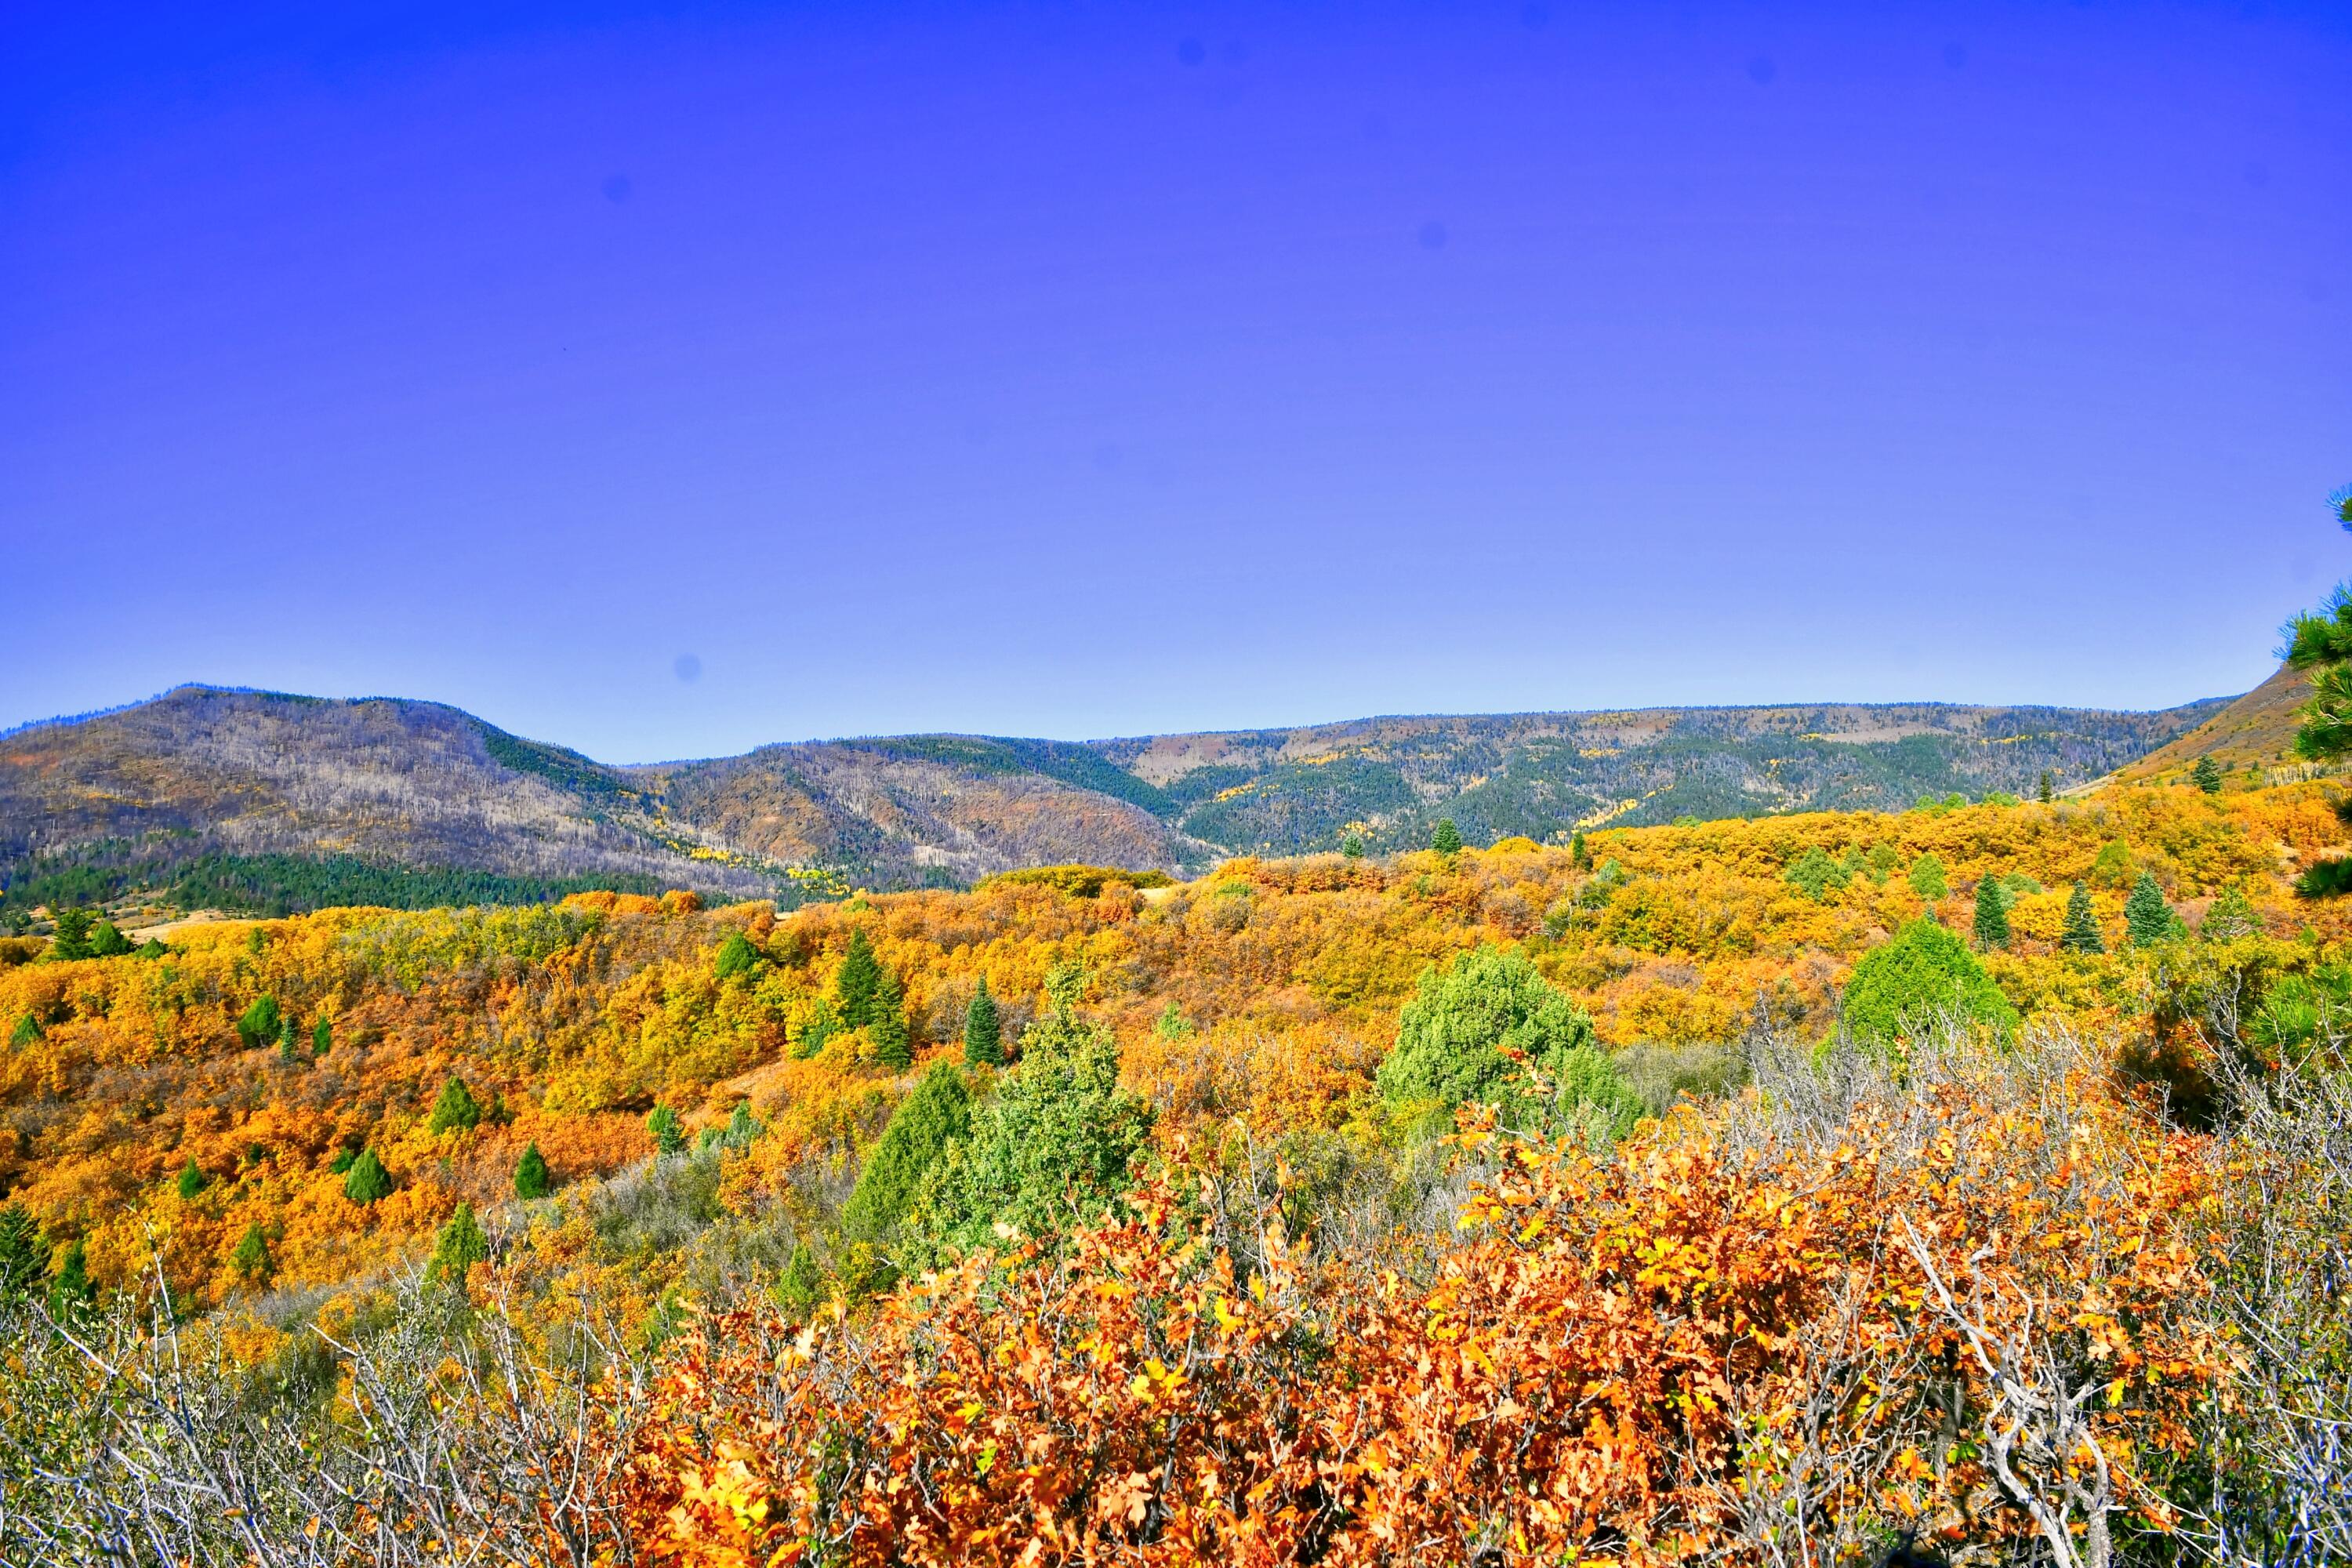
(1105, 368)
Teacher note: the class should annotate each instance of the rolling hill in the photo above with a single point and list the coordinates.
(276, 801)
(2256, 731)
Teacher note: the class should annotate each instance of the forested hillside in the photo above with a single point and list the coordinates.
(266, 802)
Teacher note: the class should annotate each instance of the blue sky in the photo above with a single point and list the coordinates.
(664, 380)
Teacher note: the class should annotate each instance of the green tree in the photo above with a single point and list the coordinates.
(1922, 975)
(2207, 774)
(1928, 878)
(1054, 1146)
(24, 1256)
(802, 1287)
(70, 1290)
(72, 937)
(261, 1024)
(860, 980)
(191, 1184)
(2081, 932)
(888, 1029)
(1446, 838)
(983, 1029)
(1580, 851)
(2112, 867)
(459, 1246)
(323, 1037)
(937, 1114)
(2230, 915)
(107, 941)
(1352, 846)
(289, 1042)
(1816, 874)
(367, 1181)
(532, 1178)
(455, 1111)
(1472, 1032)
(2148, 919)
(1171, 1024)
(1993, 914)
(736, 956)
(669, 1133)
(251, 1258)
(27, 1030)
(2046, 790)
(2319, 643)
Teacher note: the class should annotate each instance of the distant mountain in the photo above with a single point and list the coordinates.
(270, 801)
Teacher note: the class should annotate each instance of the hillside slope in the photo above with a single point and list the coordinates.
(2256, 731)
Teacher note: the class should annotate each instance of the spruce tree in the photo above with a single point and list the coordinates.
(669, 1133)
(323, 1037)
(2081, 932)
(251, 1259)
(1352, 846)
(24, 1258)
(289, 1041)
(70, 938)
(107, 941)
(531, 1178)
(984, 1030)
(456, 1110)
(860, 978)
(191, 1181)
(261, 1024)
(938, 1113)
(2148, 919)
(2207, 774)
(892, 1048)
(367, 1181)
(70, 1290)
(2230, 915)
(2047, 790)
(1446, 838)
(459, 1246)
(1993, 914)
(803, 1285)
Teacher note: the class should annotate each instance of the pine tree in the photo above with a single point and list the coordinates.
(1993, 914)
(24, 1258)
(456, 1110)
(2230, 915)
(459, 1246)
(107, 941)
(2081, 932)
(191, 1181)
(367, 1181)
(1928, 878)
(736, 956)
(984, 1030)
(289, 1041)
(803, 1285)
(2148, 919)
(261, 1023)
(27, 1030)
(323, 1037)
(892, 1048)
(2047, 790)
(531, 1178)
(669, 1133)
(860, 978)
(70, 1290)
(70, 939)
(251, 1259)
(1352, 846)
(2207, 774)
(1580, 851)
(937, 1114)
(1446, 840)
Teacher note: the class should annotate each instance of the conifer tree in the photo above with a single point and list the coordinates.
(892, 1048)
(2047, 790)
(191, 1181)
(803, 1285)
(24, 1258)
(938, 1113)
(669, 1133)
(367, 1181)
(2148, 919)
(456, 1110)
(27, 1030)
(2081, 932)
(70, 1290)
(2207, 774)
(1352, 846)
(459, 1246)
(251, 1258)
(289, 1041)
(323, 1037)
(1993, 914)
(261, 1024)
(531, 1179)
(860, 978)
(736, 956)
(1928, 878)
(983, 1029)
(107, 941)
(1171, 1024)
(2230, 915)
(1446, 840)
(70, 939)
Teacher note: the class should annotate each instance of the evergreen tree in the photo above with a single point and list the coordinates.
(1993, 914)
(531, 1179)
(1446, 840)
(2207, 774)
(27, 1030)
(251, 1258)
(289, 1042)
(1171, 1024)
(261, 1023)
(2230, 915)
(736, 956)
(1352, 846)
(72, 937)
(937, 1114)
(2047, 790)
(854, 989)
(24, 1256)
(191, 1181)
(107, 941)
(1926, 973)
(669, 1133)
(1928, 878)
(892, 1048)
(70, 1290)
(367, 1181)
(2148, 919)
(459, 1246)
(1817, 874)
(323, 1037)
(2081, 932)
(802, 1287)
(1580, 851)
(983, 1029)
(456, 1110)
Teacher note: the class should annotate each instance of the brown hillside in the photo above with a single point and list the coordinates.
(2256, 731)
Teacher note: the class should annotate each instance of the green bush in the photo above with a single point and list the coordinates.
(531, 1177)
(937, 1114)
(367, 1181)
(1924, 974)
(459, 1247)
(262, 1023)
(736, 956)
(455, 1111)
